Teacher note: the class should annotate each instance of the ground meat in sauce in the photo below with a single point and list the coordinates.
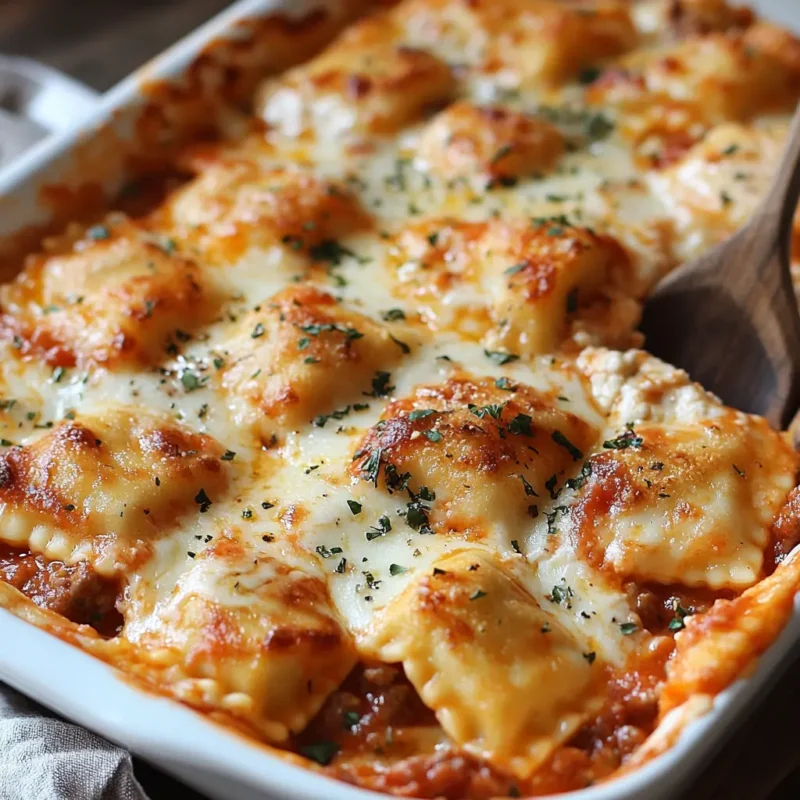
(76, 591)
(662, 609)
(785, 530)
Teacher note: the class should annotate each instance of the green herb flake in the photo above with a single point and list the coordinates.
(404, 348)
(505, 384)
(322, 752)
(572, 301)
(383, 527)
(529, 490)
(560, 439)
(354, 506)
(432, 436)
(351, 718)
(500, 357)
(98, 232)
(624, 441)
(627, 628)
(521, 425)
(203, 500)
(393, 315)
(477, 594)
(228, 455)
(380, 385)
(420, 413)
(190, 381)
(396, 569)
(589, 75)
(578, 481)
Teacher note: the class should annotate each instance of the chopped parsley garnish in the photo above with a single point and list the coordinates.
(505, 384)
(203, 500)
(380, 385)
(494, 411)
(521, 425)
(331, 251)
(477, 594)
(371, 466)
(500, 357)
(393, 315)
(515, 546)
(529, 490)
(396, 569)
(325, 553)
(381, 529)
(677, 623)
(395, 481)
(513, 270)
(578, 481)
(341, 566)
(404, 348)
(562, 440)
(624, 440)
(550, 485)
(322, 419)
(258, 331)
(590, 657)
(190, 381)
(351, 718)
(316, 329)
(552, 518)
(354, 506)
(432, 436)
(98, 232)
(739, 472)
(599, 127)
(416, 515)
(58, 374)
(228, 455)
(561, 593)
(247, 513)
(627, 628)
(322, 752)
(589, 75)
(420, 413)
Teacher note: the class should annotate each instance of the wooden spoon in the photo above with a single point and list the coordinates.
(730, 317)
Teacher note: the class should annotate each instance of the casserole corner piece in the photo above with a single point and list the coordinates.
(332, 460)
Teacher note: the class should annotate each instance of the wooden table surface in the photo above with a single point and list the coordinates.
(99, 43)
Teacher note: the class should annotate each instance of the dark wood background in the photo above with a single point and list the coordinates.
(100, 42)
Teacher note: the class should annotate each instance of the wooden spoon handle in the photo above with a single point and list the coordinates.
(778, 209)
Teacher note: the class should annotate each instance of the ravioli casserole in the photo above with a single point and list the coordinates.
(349, 440)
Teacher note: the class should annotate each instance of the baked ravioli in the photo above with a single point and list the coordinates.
(348, 439)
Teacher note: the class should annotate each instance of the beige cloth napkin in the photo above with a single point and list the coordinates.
(43, 757)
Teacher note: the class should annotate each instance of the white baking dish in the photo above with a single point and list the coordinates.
(217, 761)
